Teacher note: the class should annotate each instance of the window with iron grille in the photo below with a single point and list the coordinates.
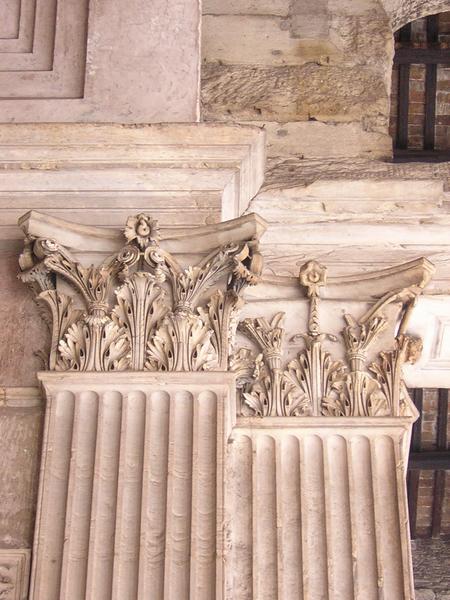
(420, 99)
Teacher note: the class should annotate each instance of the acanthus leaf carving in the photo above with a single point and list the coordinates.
(165, 317)
(303, 390)
(141, 310)
(63, 315)
(388, 370)
(181, 343)
(141, 305)
(242, 363)
(220, 313)
(101, 347)
(265, 393)
(259, 398)
(313, 383)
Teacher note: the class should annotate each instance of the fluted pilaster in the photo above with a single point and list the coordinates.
(316, 508)
(151, 490)
(131, 485)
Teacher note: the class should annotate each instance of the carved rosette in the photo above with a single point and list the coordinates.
(315, 384)
(141, 310)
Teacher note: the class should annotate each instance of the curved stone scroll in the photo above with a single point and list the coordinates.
(140, 309)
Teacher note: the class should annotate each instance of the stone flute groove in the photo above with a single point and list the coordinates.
(51, 509)
(338, 524)
(179, 498)
(239, 494)
(106, 471)
(314, 534)
(154, 497)
(129, 491)
(289, 511)
(362, 516)
(79, 497)
(265, 543)
(204, 500)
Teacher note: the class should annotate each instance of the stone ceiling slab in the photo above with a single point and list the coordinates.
(86, 63)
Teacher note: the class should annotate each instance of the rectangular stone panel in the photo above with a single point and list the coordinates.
(77, 62)
(14, 573)
(22, 42)
(9, 25)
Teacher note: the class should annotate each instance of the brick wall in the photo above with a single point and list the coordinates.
(443, 108)
(431, 557)
(426, 482)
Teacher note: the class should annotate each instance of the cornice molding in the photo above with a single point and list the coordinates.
(84, 239)
(189, 173)
(20, 397)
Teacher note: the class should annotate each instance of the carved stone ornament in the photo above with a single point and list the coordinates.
(140, 310)
(314, 383)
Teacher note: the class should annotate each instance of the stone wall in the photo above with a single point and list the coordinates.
(401, 12)
(316, 76)
(432, 577)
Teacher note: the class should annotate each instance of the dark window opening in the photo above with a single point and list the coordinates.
(429, 462)
(420, 100)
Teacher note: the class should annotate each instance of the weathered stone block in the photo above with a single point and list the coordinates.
(314, 139)
(247, 7)
(291, 93)
(310, 20)
(401, 12)
(20, 438)
(425, 595)
(22, 330)
(263, 40)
